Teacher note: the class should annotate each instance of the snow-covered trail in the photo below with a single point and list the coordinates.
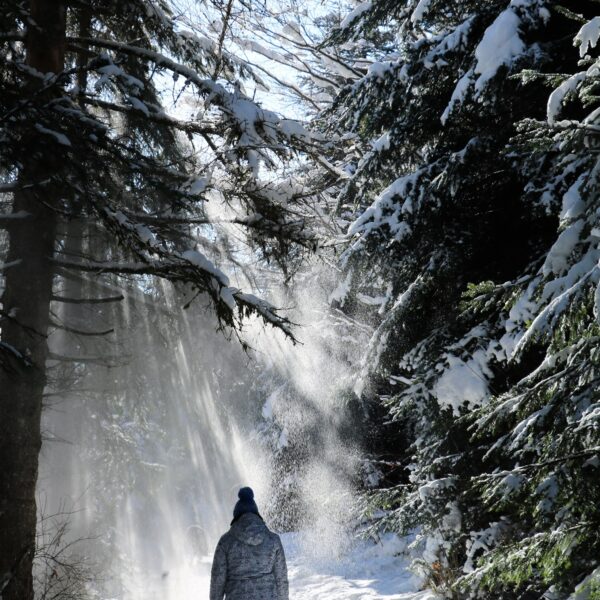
(367, 572)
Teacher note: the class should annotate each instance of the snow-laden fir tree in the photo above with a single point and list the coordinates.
(128, 147)
(473, 249)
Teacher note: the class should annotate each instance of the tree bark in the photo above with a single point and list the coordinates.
(24, 323)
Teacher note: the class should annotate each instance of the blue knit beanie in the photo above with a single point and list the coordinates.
(246, 503)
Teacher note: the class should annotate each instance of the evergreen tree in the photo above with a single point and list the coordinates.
(472, 250)
(92, 132)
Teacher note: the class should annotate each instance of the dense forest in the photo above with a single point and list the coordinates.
(370, 229)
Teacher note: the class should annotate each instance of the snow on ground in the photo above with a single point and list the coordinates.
(368, 571)
(363, 571)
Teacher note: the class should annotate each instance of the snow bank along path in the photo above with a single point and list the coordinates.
(368, 571)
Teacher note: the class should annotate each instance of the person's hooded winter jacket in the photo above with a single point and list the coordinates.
(249, 563)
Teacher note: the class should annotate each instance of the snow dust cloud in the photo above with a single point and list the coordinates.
(148, 439)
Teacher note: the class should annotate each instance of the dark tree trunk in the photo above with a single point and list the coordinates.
(24, 325)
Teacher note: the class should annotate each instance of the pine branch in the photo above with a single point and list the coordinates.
(226, 18)
(207, 86)
(81, 331)
(105, 361)
(155, 117)
(107, 299)
(185, 271)
(546, 463)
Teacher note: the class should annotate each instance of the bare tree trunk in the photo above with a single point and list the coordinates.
(24, 325)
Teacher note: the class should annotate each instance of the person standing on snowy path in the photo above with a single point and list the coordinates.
(249, 562)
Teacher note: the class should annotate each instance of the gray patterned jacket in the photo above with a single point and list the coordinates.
(249, 563)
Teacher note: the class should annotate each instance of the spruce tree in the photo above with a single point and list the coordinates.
(472, 251)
